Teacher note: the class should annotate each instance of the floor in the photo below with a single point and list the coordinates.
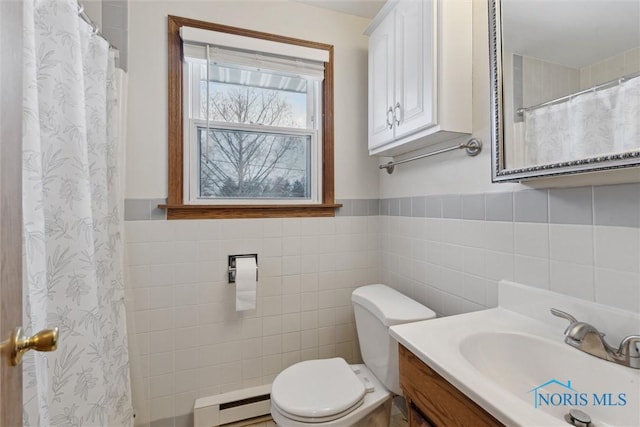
(398, 413)
(398, 419)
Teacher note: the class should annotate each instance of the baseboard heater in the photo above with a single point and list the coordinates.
(232, 407)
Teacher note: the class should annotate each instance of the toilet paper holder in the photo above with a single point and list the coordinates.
(232, 265)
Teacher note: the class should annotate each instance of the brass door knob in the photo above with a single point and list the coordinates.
(45, 340)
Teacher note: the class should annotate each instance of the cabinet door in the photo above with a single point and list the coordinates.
(381, 95)
(416, 419)
(439, 402)
(415, 66)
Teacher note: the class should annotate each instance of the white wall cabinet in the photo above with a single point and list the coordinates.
(419, 74)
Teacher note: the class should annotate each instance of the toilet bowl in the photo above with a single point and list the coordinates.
(325, 392)
(330, 392)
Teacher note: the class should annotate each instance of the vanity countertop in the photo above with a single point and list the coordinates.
(502, 359)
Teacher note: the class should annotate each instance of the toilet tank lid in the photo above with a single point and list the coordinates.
(389, 305)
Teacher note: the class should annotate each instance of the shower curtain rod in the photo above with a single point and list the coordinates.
(86, 18)
(610, 83)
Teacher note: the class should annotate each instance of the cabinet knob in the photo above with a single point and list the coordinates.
(390, 122)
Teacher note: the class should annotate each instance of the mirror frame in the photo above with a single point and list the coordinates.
(499, 173)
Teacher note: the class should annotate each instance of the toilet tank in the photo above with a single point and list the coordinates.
(376, 308)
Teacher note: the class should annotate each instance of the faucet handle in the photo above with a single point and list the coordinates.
(630, 346)
(576, 331)
(572, 320)
(564, 315)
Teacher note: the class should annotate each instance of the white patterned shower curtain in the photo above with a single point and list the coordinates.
(73, 219)
(601, 122)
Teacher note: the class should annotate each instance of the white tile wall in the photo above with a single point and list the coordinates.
(191, 342)
(454, 265)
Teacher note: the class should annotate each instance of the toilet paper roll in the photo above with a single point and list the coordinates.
(246, 284)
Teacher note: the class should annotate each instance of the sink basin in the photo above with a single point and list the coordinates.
(554, 378)
(520, 370)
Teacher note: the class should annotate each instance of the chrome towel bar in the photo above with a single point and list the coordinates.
(472, 147)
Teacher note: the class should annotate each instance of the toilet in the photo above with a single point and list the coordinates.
(330, 392)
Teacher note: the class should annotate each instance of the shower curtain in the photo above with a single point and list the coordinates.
(73, 219)
(601, 122)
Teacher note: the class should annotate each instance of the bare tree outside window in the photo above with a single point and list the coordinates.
(253, 163)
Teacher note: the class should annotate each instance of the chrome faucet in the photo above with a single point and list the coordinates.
(587, 338)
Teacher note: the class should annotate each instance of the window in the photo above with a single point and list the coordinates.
(257, 137)
(250, 124)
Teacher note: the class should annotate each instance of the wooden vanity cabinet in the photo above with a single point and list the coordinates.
(433, 401)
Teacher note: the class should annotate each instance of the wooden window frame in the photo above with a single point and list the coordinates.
(175, 207)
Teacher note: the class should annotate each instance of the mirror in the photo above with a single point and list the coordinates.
(565, 86)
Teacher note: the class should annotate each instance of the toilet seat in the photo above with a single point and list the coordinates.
(318, 420)
(317, 390)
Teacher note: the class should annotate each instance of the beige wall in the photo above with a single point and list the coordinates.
(355, 172)
(453, 262)
(611, 68)
(454, 172)
(188, 340)
(191, 343)
(93, 8)
(543, 81)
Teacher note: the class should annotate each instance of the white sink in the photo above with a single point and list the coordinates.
(518, 361)
(509, 363)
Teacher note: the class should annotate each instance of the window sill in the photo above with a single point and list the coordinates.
(248, 211)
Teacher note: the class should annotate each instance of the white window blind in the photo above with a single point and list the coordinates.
(254, 53)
